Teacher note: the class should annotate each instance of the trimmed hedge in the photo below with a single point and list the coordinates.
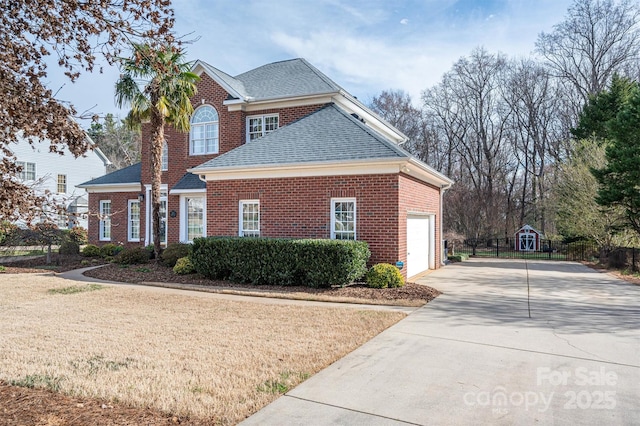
(458, 257)
(173, 252)
(91, 250)
(272, 261)
(184, 266)
(132, 256)
(384, 275)
(69, 247)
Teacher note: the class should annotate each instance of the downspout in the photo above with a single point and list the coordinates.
(443, 189)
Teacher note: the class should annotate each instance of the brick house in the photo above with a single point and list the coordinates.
(280, 151)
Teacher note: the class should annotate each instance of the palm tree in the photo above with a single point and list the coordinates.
(158, 85)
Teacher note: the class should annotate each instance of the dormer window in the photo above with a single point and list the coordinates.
(260, 125)
(204, 131)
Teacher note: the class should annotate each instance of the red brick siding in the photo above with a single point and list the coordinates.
(417, 196)
(301, 208)
(232, 132)
(119, 217)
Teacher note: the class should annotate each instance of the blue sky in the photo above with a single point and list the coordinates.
(365, 46)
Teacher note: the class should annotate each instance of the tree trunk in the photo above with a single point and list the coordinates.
(157, 123)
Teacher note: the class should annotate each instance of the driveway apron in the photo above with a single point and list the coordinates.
(509, 342)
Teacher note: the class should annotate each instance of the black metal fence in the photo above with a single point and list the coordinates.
(617, 257)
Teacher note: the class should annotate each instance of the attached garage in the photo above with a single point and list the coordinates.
(420, 250)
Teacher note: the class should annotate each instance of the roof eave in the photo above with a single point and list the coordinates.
(258, 101)
(199, 170)
(200, 66)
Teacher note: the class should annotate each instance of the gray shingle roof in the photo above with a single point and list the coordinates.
(295, 77)
(327, 135)
(129, 174)
(189, 181)
(233, 83)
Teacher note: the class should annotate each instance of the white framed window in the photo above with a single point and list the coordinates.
(134, 221)
(249, 220)
(62, 184)
(62, 221)
(164, 160)
(28, 170)
(260, 125)
(194, 208)
(343, 218)
(105, 220)
(204, 131)
(163, 218)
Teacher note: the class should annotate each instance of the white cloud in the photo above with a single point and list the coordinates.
(404, 21)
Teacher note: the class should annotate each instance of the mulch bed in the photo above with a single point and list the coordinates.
(27, 406)
(157, 273)
(152, 272)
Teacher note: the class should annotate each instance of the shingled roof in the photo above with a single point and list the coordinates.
(129, 174)
(189, 182)
(291, 78)
(327, 135)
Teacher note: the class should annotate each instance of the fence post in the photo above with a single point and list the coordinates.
(497, 247)
(633, 259)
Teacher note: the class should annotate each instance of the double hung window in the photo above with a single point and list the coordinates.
(249, 219)
(260, 125)
(343, 218)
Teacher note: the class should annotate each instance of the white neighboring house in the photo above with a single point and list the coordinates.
(59, 174)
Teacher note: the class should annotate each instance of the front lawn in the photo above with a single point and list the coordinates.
(192, 359)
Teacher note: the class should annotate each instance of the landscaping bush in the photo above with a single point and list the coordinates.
(314, 263)
(383, 275)
(132, 256)
(458, 258)
(184, 266)
(91, 250)
(110, 250)
(69, 247)
(173, 252)
(151, 250)
(79, 235)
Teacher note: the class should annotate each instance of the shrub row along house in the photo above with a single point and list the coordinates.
(280, 151)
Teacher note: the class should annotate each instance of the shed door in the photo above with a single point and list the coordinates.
(417, 245)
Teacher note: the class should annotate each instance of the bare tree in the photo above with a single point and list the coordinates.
(597, 39)
(75, 33)
(118, 140)
(536, 131)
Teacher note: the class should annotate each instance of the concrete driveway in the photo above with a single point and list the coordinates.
(474, 356)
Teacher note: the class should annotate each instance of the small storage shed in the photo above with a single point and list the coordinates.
(528, 239)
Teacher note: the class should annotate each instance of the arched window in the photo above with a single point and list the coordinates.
(204, 131)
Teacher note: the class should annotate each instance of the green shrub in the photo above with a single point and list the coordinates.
(150, 249)
(383, 275)
(69, 247)
(132, 256)
(314, 263)
(173, 252)
(110, 250)
(458, 258)
(79, 235)
(184, 266)
(91, 251)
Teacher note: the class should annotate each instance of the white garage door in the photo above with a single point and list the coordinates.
(417, 244)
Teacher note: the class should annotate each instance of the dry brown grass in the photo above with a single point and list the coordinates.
(186, 355)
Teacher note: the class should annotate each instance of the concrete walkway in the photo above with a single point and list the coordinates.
(476, 356)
